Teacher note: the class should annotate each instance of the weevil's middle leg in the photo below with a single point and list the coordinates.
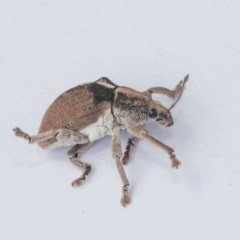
(74, 154)
(117, 155)
(140, 132)
(131, 143)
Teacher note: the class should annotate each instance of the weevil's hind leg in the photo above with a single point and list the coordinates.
(117, 155)
(53, 138)
(170, 93)
(140, 132)
(37, 138)
(64, 137)
(74, 154)
(131, 143)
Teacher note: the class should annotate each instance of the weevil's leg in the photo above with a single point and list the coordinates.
(78, 149)
(140, 132)
(64, 137)
(131, 143)
(165, 91)
(117, 155)
(36, 138)
(170, 93)
(74, 154)
(53, 138)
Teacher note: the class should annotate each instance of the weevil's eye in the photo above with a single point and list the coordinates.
(152, 113)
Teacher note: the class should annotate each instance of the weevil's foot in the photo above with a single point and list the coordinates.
(125, 199)
(179, 86)
(125, 159)
(175, 162)
(19, 133)
(77, 183)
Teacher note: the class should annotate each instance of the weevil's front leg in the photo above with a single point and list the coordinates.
(74, 154)
(117, 155)
(131, 143)
(170, 93)
(140, 132)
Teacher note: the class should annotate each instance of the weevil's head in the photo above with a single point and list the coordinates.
(132, 108)
(162, 115)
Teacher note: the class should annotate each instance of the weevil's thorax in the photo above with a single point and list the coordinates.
(130, 107)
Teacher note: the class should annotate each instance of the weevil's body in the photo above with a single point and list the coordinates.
(85, 109)
(90, 111)
(94, 110)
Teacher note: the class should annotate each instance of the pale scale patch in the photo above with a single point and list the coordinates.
(103, 126)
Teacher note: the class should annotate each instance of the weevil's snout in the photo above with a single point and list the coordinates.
(162, 115)
(170, 123)
(164, 118)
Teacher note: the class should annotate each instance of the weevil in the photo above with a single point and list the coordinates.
(88, 112)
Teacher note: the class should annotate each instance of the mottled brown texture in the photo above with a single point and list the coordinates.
(76, 109)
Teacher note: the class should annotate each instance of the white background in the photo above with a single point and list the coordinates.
(48, 46)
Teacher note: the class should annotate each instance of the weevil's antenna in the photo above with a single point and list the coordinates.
(184, 81)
